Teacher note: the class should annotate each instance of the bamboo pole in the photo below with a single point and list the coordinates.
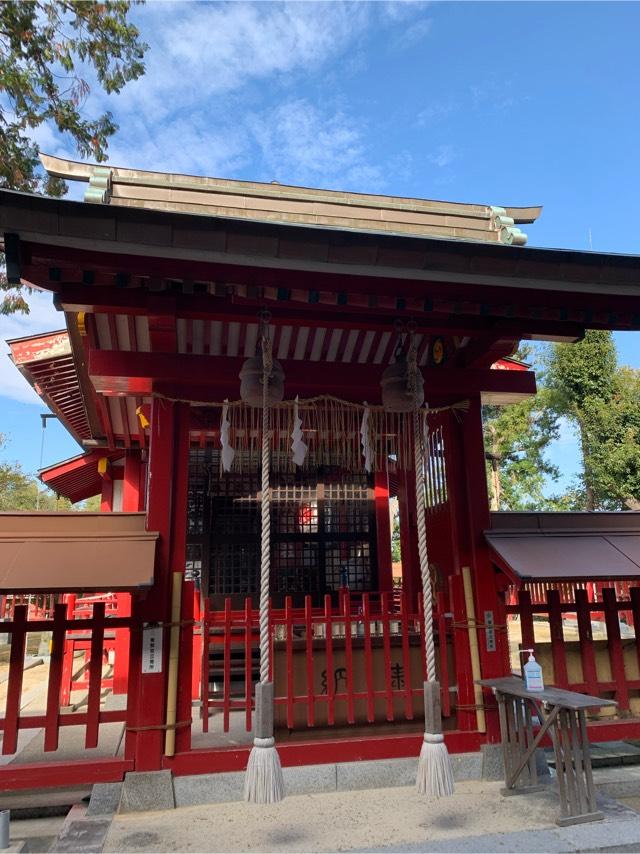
(473, 645)
(174, 657)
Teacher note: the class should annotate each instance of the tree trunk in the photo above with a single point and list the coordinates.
(496, 486)
(590, 498)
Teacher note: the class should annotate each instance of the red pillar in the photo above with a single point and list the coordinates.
(411, 582)
(106, 498)
(131, 499)
(493, 663)
(166, 514)
(383, 530)
(121, 651)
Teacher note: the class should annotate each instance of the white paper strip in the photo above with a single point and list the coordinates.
(298, 447)
(365, 440)
(228, 453)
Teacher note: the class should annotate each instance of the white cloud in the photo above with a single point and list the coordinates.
(204, 50)
(412, 34)
(42, 318)
(443, 156)
(436, 112)
(301, 144)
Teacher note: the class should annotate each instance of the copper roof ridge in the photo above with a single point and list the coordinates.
(75, 170)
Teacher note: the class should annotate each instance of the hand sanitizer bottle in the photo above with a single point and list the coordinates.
(532, 673)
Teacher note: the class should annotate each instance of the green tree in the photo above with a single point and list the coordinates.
(47, 50)
(602, 402)
(516, 438)
(19, 491)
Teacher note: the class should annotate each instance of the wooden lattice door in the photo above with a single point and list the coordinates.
(322, 530)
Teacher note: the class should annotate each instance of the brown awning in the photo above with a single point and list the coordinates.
(75, 552)
(566, 546)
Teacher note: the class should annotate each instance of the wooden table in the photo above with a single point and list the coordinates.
(562, 715)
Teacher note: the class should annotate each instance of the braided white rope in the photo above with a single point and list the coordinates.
(419, 458)
(265, 532)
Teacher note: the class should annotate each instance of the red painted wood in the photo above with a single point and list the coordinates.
(348, 655)
(466, 439)
(95, 677)
(423, 651)
(526, 620)
(288, 621)
(121, 647)
(113, 372)
(406, 658)
(69, 649)
(466, 701)
(408, 534)
(204, 666)
(293, 754)
(16, 671)
(560, 673)
(106, 500)
(134, 713)
(614, 647)
(329, 658)
(634, 594)
(55, 678)
(56, 775)
(386, 646)
(368, 657)
(311, 700)
(226, 667)
(587, 654)
(185, 667)
(383, 531)
(442, 650)
(131, 482)
(248, 662)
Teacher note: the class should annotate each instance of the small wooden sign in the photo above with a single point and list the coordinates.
(152, 649)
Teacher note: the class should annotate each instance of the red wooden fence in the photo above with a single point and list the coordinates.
(358, 662)
(608, 667)
(63, 626)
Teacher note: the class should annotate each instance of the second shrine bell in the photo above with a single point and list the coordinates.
(397, 395)
(251, 378)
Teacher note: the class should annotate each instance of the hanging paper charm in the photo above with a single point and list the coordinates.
(298, 448)
(365, 440)
(228, 453)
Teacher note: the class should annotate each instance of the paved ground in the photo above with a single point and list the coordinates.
(336, 821)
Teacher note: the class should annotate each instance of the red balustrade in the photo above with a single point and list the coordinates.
(354, 661)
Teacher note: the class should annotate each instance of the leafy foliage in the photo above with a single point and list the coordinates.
(602, 401)
(47, 50)
(516, 439)
(19, 491)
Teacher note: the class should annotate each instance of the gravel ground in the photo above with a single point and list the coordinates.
(335, 821)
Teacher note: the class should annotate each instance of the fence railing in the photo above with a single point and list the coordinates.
(95, 628)
(360, 661)
(605, 665)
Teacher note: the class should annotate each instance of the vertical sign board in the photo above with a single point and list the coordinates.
(490, 631)
(152, 649)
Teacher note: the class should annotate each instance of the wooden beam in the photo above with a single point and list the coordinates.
(212, 378)
(139, 301)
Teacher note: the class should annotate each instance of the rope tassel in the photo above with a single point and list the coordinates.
(264, 783)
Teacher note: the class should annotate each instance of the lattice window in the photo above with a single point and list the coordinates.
(322, 529)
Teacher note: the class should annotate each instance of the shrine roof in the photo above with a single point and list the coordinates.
(275, 202)
(47, 363)
(565, 546)
(78, 478)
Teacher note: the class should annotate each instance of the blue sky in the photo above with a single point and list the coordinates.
(494, 103)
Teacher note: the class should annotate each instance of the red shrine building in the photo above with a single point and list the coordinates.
(163, 283)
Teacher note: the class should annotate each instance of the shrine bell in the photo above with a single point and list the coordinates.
(251, 378)
(396, 393)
